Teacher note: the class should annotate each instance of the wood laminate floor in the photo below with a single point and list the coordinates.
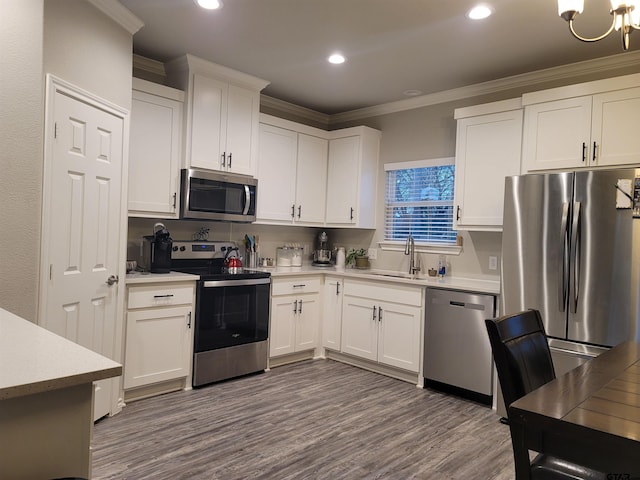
(311, 420)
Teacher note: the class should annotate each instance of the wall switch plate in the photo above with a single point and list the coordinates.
(493, 262)
(373, 253)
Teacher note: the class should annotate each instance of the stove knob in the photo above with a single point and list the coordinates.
(183, 248)
(175, 249)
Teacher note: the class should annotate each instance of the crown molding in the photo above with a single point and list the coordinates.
(622, 60)
(148, 65)
(119, 13)
(281, 106)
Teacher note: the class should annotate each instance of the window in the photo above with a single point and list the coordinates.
(419, 201)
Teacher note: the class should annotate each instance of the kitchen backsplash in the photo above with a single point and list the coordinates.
(472, 262)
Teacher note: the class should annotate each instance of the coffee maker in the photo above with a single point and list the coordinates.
(322, 255)
(156, 250)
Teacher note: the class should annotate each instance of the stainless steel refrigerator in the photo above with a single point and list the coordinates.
(571, 249)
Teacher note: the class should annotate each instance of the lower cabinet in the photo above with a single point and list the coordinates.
(159, 335)
(382, 322)
(295, 315)
(332, 312)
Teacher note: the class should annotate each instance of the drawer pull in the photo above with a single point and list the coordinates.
(169, 295)
(300, 285)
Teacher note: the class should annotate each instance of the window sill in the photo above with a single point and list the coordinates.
(422, 248)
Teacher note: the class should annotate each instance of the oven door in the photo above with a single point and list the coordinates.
(231, 312)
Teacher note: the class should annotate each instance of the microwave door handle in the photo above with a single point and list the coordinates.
(247, 200)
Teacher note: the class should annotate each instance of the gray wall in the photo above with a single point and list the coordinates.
(79, 44)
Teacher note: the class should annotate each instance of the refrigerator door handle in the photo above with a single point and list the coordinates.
(576, 241)
(563, 272)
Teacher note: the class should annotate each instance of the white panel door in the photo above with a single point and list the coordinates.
(399, 338)
(208, 124)
(242, 125)
(282, 331)
(307, 322)
(84, 233)
(359, 327)
(332, 313)
(311, 187)
(342, 180)
(276, 174)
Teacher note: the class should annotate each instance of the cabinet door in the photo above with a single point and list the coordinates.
(311, 179)
(359, 328)
(307, 322)
(615, 127)
(241, 130)
(399, 337)
(158, 345)
(342, 180)
(208, 124)
(332, 313)
(154, 155)
(282, 332)
(276, 174)
(487, 150)
(557, 134)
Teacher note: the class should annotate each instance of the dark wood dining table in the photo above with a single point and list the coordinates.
(589, 416)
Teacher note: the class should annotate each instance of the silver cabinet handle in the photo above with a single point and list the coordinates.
(112, 279)
(229, 162)
(293, 211)
(299, 211)
(224, 158)
(379, 314)
(295, 307)
(374, 314)
(300, 307)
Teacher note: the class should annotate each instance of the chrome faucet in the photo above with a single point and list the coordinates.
(410, 249)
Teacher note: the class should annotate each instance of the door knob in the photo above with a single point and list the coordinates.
(112, 279)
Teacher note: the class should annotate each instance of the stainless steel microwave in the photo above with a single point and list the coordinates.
(211, 195)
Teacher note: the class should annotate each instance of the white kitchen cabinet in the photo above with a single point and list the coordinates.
(154, 150)
(292, 171)
(352, 177)
(586, 125)
(488, 145)
(159, 335)
(295, 315)
(222, 111)
(332, 312)
(382, 322)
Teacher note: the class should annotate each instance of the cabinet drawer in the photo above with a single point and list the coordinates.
(158, 295)
(294, 285)
(384, 292)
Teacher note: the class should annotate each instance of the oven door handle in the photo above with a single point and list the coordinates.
(235, 283)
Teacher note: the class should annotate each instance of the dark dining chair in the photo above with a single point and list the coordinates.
(523, 361)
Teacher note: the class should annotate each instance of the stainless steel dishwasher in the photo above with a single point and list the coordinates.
(457, 353)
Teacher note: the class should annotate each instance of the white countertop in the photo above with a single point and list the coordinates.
(35, 360)
(139, 277)
(483, 285)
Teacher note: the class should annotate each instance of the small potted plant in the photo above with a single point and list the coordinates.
(359, 257)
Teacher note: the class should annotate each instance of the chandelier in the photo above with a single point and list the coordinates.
(625, 18)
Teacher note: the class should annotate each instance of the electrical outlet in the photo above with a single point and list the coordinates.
(493, 262)
(373, 253)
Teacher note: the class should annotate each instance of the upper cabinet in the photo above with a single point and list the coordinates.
(292, 173)
(352, 178)
(586, 125)
(154, 150)
(313, 177)
(221, 117)
(488, 144)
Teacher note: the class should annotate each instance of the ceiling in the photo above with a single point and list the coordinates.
(391, 45)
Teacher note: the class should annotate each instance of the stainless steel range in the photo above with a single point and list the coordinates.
(231, 326)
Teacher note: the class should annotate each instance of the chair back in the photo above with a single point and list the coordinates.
(521, 353)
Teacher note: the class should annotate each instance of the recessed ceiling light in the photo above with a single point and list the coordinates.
(336, 58)
(479, 12)
(209, 4)
(412, 93)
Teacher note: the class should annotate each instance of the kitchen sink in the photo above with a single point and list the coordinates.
(396, 275)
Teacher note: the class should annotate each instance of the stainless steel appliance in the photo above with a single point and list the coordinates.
(156, 250)
(457, 353)
(231, 324)
(210, 195)
(322, 254)
(571, 249)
